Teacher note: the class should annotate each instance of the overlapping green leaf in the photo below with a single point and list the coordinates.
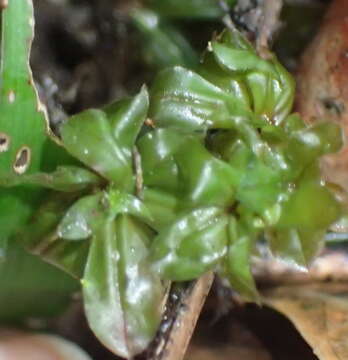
(221, 163)
(236, 265)
(159, 35)
(193, 244)
(89, 137)
(184, 100)
(67, 178)
(127, 117)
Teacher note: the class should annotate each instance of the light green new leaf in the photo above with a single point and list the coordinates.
(25, 146)
(122, 297)
(23, 126)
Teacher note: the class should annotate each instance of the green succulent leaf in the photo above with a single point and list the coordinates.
(127, 117)
(306, 145)
(286, 245)
(259, 186)
(83, 217)
(67, 178)
(205, 180)
(123, 203)
(162, 206)
(311, 206)
(159, 35)
(240, 60)
(39, 237)
(296, 247)
(159, 168)
(184, 100)
(90, 138)
(237, 260)
(122, 297)
(191, 245)
(233, 85)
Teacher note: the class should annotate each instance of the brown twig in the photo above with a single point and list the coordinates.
(178, 325)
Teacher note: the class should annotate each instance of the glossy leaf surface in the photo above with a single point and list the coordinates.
(89, 137)
(40, 237)
(122, 297)
(84, 216)
(193, 244)
(159, 35)
(24, 138)
(127, 117)
(65, 178)
(184, 100)
(237, 263)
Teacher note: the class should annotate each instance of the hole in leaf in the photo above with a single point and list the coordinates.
(22, 160)
(4, 142)
(11, 97)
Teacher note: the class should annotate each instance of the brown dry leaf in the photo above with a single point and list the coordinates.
(319, 312)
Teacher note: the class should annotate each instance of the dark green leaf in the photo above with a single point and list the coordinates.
(182, 99)
(127, 117)
(39, 237)
(286, 244)
(205, 180)
(162, 206)
(89, 137)
(32, 288)
(311, 206)
(237, 260)
(83, 217)
(163, 44)
(122, 298)
(236, 60)
(193, 244)
(234, 85)
(64, 178)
